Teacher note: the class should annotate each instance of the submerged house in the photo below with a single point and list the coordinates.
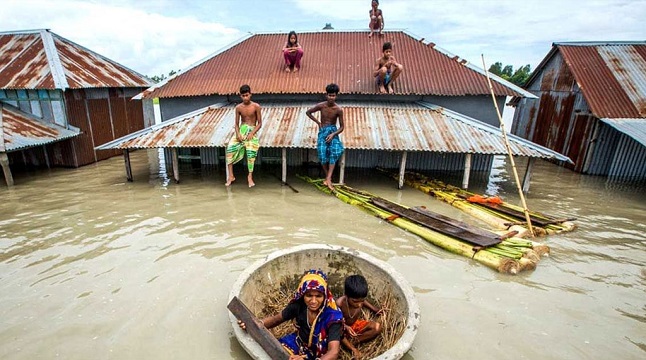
(58, 100)
(590, 105)
(441, 116)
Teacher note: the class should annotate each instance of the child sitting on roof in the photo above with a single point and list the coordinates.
(376, 19)
(357, 329)
(292, 52)
(388, 69)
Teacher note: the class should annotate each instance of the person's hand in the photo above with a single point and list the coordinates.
(381, 312)
(242, 325)
(350, 331)
(297, 357)
(239, 137)
(356, 354)
(329, 138)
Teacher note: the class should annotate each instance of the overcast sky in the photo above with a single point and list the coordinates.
(155, 37)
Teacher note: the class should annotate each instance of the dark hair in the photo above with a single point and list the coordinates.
(332, 89)
(387, 46)
(245, 89)
(377, 1)
(355, 287)
(289, 36)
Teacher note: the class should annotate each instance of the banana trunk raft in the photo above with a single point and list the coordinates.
(504, 252)
(492, 210)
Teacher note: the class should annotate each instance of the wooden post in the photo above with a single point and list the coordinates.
(402, 170)
(175, 165)
(342, 169)
(4, 161)
(528, 174)
(126, 158)
(46, 156)
(467, 171)
(263, 337)
(284, 163)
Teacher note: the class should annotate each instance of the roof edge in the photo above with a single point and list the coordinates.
(54, 60)
(597, 43)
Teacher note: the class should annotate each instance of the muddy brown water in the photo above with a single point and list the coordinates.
(94, 267)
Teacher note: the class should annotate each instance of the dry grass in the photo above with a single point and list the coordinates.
(393, 322)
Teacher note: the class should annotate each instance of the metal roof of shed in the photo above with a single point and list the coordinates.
(346, 58)
(20, 130)
(40, 59)
(371, 126)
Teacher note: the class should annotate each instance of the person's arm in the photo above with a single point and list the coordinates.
(237, 123)
(313, 110)
(340, 129)
(258, 123)
(379, 65)
(332, 353)
(268, 322)
(371, 307)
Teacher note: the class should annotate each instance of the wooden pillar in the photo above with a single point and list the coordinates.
(175, 165)
(46, 156)
(402, 170)
(284, 163)
(528, 174)
(217, 158)
(126, 158)
(4, 161)
(342, 169)
(467, 171)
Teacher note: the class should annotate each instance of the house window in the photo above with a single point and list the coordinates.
(59, 113)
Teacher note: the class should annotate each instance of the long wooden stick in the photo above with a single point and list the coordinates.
(509, 152)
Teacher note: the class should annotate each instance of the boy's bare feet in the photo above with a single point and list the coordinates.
(382, 89)
(287, 69)
(250, 180)
(370, 35)
(390, 89)
(295, 69)
(229, 181)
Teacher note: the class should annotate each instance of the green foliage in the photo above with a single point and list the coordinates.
(518, 77)
(158, 78)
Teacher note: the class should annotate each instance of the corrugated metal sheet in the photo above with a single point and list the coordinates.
(43, 60)
(21, 130)
(635, 128)
(369, 126)
(345, 58)
(612, 76)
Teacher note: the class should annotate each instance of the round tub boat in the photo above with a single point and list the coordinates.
(337, 262)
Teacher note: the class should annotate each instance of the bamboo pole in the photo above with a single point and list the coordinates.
(511, 155)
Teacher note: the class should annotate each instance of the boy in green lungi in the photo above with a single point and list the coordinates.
(247, 123)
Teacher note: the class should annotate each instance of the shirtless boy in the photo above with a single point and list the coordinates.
(376, 18)
(388, 69)
(328, 146)
(247, 123)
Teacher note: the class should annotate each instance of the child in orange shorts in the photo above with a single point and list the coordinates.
(357, 330)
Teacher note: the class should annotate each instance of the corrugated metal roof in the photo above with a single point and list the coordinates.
(40, 59)
(612, 76)
(371, 126)
(635, 128)
(343, 57)
(21, 130)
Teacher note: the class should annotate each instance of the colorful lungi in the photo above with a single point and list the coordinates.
(236, 149)
(329, 153)
(359, 325)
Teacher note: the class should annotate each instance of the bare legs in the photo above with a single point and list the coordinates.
(230, 178)
(329, 170)
(396, 71)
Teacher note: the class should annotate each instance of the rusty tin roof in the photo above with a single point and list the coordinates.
(40, 59)
(346, 58)
(371, 126)
(20, 130)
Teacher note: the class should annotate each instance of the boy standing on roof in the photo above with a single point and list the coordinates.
(247, 123)
(328, 146)
(388, 69)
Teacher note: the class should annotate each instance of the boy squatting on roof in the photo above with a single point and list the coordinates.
(247, 123)
(388, 69)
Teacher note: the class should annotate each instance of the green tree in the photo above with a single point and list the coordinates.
(518, 77)
(162, 77)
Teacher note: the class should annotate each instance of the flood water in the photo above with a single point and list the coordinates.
(94, 267)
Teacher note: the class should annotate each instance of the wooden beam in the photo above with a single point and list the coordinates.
(284, 164)
(46, 157)
(175, 165)
(342, 169)
(126, 158)
(4, 161)
(402, 170)
(528, 174)
(467, 171)
(259, 333)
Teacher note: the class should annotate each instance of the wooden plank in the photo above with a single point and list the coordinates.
(515, 214)
(263, 337)
(459, 224)
(438, 224)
